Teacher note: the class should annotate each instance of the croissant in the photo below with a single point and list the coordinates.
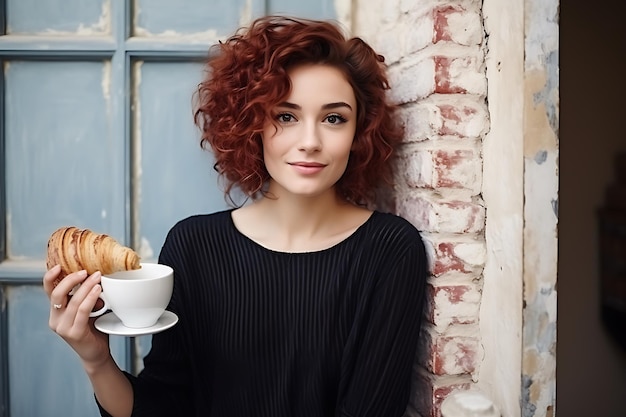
(75, 249)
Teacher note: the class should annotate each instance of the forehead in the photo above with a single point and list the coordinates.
(320, 83)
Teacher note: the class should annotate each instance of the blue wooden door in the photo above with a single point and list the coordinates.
(96, 131)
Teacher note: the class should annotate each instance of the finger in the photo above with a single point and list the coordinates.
(85, 307)
(77, 305)
(64, 314)
(58, 296)
(49, 277)
(79, 294)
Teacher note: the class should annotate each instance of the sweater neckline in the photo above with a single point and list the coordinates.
(348, 238)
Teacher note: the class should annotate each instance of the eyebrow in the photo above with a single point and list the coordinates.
(324, 107)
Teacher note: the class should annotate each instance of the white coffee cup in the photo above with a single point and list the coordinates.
(137, 297)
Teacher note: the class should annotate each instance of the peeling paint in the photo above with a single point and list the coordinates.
(528, 408)
(198, 37)
(539, 135)
(549, 94)
(541, 114)
(541, 157)
(106, 83)
(99, 28)
(209, 35)
(136, 147)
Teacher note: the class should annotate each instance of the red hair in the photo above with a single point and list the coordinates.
(247, 77)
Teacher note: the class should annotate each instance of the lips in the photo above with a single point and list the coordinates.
(307, 164)
(307, 168)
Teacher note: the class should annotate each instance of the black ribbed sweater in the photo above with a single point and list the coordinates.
(273, 334)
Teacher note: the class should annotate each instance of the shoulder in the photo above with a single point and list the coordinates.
(395, 251)
(192, 238)
(389, 228)
(200, 225)
(396, 238)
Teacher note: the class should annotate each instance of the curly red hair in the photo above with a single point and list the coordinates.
(247, 77)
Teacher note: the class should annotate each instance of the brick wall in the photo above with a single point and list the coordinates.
(436, 54)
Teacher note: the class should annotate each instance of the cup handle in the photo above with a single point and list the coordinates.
(104, 308)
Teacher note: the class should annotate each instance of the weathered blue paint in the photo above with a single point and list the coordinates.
(170, 18)
(177, 178)
(63, 165)
(45, 377)
(27, 17)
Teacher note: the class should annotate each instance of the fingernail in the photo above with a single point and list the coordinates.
(96, 288)
(96, 275)
(82, 273)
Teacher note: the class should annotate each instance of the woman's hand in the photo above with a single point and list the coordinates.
(69, 318)
(69, 315)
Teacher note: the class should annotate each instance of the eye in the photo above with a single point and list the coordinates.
(335, 119)
(285, 118)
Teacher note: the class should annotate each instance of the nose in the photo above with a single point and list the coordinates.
(310, 140)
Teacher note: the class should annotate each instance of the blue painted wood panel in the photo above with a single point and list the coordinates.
(186, 17)
(176, 178)
(56, 17)
(46, 378)
(63, 164)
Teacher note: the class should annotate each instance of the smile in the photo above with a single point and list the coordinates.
(307, 168)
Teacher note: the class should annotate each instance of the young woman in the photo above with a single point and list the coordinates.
(303, 302)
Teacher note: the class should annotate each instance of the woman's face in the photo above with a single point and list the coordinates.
(307, 145)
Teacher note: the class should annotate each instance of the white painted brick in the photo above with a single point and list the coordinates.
(474, 253)
(418, 32)
(449, 304)
(389, 14)
(460, 168)
(462, 217)
(388, 44)
(464, 74)
(420, 121)
(461, 115)
(419, 7)
(469, 73)
(434, 215)
(449, 353)
(417, 169)
(413, 82)
(419, 211)
(465, 28)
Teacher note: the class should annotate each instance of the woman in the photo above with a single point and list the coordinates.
(303, 302)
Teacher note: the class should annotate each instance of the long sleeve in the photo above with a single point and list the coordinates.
(377, 362)
(163, 387)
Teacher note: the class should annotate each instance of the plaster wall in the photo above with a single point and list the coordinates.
(501, 304)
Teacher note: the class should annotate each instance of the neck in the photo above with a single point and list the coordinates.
(291, 223)
(297, 215)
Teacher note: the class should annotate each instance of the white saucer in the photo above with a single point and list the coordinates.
(111, 324)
